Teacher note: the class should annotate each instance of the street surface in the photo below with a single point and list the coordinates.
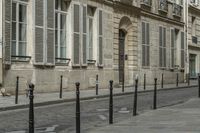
(60, 118)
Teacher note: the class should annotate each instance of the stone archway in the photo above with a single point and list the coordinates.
(124, 31)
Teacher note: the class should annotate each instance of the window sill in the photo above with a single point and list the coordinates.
(91, 61)
(15, 58)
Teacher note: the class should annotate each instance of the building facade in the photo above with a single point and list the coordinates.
(78, 39)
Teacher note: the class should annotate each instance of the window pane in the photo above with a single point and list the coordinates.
(56, 51)
(22, 48)
(14, 11)
(62, 38)
(22, 32)
(90, 38)
(62, 21)
(56, 4)
(22, 13)
(63, 52)
(13, 30)
(63, 5)
(56, 21)
(13, 47)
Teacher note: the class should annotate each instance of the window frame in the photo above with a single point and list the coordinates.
(163, 48)
(59, 12)
(17, 55)
(146, 45)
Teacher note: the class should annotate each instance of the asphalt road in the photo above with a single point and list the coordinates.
(60, 118)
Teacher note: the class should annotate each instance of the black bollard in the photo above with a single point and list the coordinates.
(162, 80)
(111, 103)
(123, 84)
(97, 84)
(31, 108)
(177, 80)
(78, 127)
(144, 81)
(61, 82)
(199, 84)
(135, 98)
(17, 90)
(188, 79)
(155, 94)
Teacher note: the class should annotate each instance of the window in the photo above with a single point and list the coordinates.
(193, 26)
(145, 44)
(162, 46)
(19, 28)
(90, 15)
(182, 50)
(60, 30)
(173, 48)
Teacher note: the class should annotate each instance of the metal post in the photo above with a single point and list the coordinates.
(123, 84)
(17, 90)
(78, 108)
(97, 84)
(155, 94)
(135, 98)
(61, 82)
(162, 82)
(31, 108)
(199, 84)
(177, 80)
(111, 103)
(188, 79)
(144, 81)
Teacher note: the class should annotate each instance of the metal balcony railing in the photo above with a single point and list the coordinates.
(177, 10)
(163, 5)
(146, 2)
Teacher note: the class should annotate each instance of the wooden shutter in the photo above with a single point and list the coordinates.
(84, 35)
(147, 45)
(172, 48)
(76, 47)
(39, 32)
(160, 47)
(100, 51)
(50, 32)
(182, 50)
(143, 44)
(164, 47)
(7, 25)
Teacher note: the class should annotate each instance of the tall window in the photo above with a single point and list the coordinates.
(182, 50)
(162, 46)
(60, 30)
(173, 48)
(19, 28)
(145, 44)
(90, 15)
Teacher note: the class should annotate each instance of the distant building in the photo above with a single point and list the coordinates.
(116, 39)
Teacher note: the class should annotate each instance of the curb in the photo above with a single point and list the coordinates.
(59, 101)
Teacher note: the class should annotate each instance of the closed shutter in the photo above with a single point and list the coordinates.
(7, 24)
(160, 46)
(172, 47)
(164, 47)
(76, 47)
(143, 33)
(143, 44)
(182, 50)
(100, 51)
(147, 45)
(39, 31)
(84, 43)
(50, 32)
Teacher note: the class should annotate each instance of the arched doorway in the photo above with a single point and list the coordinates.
(122, 36)
(125, 26)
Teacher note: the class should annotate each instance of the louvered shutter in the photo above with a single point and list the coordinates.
(172, 47)
(7, 25)
(76, 47)
(39, 31)
(164, 47)
(50, 32)
(182, 50)
(147, 45)
(143, 33)
(160, 46)
(100, 51)
(84, 40)
(143, 44)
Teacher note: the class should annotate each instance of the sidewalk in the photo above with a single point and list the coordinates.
(8, 103)
(183, 118)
